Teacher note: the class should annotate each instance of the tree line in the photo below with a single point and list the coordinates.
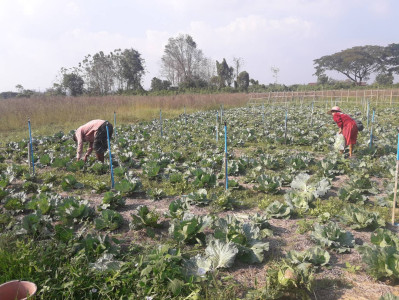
(358, 63)
(185, 67)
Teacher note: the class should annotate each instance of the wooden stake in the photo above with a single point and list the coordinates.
(390, 100)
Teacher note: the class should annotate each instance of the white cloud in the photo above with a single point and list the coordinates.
(38, 37)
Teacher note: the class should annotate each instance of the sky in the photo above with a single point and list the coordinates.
(39, 37)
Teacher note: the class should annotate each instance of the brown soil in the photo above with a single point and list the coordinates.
(332, 282)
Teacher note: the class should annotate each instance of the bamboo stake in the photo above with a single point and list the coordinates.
(390, 101)
(356, 97)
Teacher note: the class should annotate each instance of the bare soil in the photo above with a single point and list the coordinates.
(331, 283)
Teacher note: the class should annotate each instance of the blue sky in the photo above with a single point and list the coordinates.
(38, 37)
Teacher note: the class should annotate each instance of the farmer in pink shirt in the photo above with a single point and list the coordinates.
(95, 133)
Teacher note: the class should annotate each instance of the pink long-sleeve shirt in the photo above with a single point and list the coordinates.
(86, 133)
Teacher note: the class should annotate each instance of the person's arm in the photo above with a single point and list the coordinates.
(89, 151)
(79, 140)
(337, 118)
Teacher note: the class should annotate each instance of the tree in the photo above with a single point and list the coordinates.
(20, 88)
(182, 60)
(356, 63)
(253, 81)
(384, 79)
(225, 73)
(390, 59)
(74, 83)
(119, 70)
(132, 68)
(238, 63)
(99, 73)
(243, 81)
(159, 85)
(275, 72)
(322, 79)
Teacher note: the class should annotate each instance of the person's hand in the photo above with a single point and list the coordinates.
(85, 158)
(340, 131)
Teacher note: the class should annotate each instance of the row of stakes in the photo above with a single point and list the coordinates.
(32, 161)
(31, 158)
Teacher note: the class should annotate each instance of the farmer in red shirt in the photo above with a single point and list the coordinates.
(95, 133)
(347, 127)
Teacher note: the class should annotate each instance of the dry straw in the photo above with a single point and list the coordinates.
(51, 114)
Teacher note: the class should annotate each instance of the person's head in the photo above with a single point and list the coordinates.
(334, 110)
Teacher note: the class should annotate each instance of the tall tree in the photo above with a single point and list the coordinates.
(243, 81)
(74, 83)
(182, 60)
(225, 73)
(238, 63)
(384, 79)
(356, 63)
(390, 59)
(99, 73)
(275, 71)
(159, 84)
(132, 68)
(119, 70)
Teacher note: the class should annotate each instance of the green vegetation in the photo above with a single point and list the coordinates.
(170, 230)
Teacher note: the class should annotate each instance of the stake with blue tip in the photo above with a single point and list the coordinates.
(216, 126)
(368, 114)
(225, 155)
(285, 127)
(115, 123)
(371, 130)
(263, 114)
(32, 158)
(185, 116)
(160, 121)
(110, 157)
(396, 185)
(311, 118)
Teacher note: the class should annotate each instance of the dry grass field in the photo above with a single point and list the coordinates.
(49, 115)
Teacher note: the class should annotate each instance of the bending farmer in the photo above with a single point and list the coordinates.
(95, 133)
(347, 127)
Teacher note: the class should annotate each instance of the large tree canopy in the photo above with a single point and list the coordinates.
(132, 68)
(359, 62)
(119, 70)
(243, 81)
(225, 73)
(74, 83)
(390, 59)
(183, 62)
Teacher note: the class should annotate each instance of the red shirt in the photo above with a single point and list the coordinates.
(342, 120)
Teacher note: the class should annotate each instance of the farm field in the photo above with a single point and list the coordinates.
(298, 220)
